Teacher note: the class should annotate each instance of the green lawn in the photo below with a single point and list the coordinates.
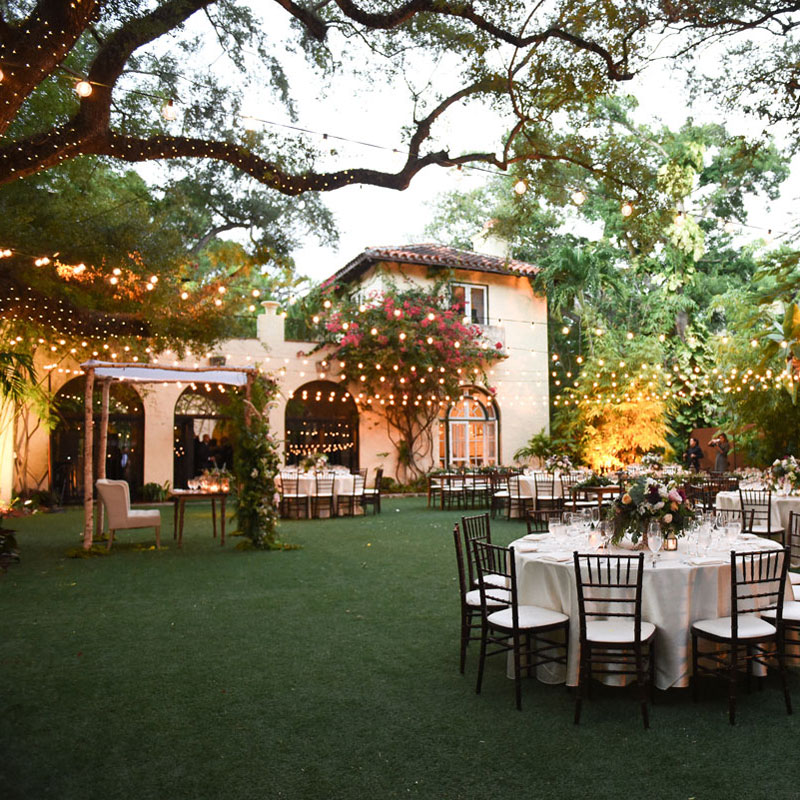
(327, 672)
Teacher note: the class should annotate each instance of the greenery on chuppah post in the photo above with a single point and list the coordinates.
(255, 464)
(406, 354)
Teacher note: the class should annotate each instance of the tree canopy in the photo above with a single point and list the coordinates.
(136, 62)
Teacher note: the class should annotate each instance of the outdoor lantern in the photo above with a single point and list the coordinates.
(670, 543)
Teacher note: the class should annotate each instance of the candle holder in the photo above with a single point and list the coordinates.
(670, 543)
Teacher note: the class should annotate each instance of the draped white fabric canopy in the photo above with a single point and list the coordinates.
(141, 373)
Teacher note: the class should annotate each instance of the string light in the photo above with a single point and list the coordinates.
(578, 197)
(626, 209)
(169, 112)
(83, 88)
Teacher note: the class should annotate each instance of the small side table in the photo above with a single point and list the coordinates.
(179, 498)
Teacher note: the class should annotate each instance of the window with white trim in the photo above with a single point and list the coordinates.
(474, 299)
(468, 432)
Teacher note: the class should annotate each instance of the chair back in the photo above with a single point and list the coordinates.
(756, 508)
(545, 486)
(793, 536)
(378, 479)
(539, 521)
(462, 575)
(324, 483)
(290, 484)
(758, 581)
(609, 587)
(358, 484)
(512, 482)
(491, 559)
(116, 497)
(475, 528)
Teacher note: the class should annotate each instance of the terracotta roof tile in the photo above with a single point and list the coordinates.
(435, 255)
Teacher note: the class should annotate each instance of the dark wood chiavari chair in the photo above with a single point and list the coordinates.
(534, 635)
(757, 513)
(471, 600)
(753, 633)
(612, 631)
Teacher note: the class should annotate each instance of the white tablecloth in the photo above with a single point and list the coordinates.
(674, 595)
(307, 484)
(527, 486)
(781, 506)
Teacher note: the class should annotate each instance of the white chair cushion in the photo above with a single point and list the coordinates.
(287, 494)
(750, 627)
(759, 528)
(495, 580)
(500, 494)
(144, 518)
(370, 491)
(794, 577)
(529, 617)
(497, 597)
(619, 631)
(796, 591)
(791, 611)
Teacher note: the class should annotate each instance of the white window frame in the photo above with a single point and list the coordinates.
(468, 288)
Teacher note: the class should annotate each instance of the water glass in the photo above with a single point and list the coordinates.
(655, 539)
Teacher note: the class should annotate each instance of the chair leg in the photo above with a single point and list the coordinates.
(158, 537)
(652, 653)
(781, 654)
(695, 671)
(583, 678)
(110, 538)
(732, 685)
(466, 620)
(517, 671)
(479, 681)
(642, 688)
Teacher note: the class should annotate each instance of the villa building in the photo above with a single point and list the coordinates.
(161, 433)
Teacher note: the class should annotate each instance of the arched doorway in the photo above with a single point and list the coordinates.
(469, 431)
(125, 446)
(201, 432)
(322, 417)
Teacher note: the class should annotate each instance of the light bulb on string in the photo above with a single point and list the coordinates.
(169, 111)
(520, 187)
(83, 88)
(578, 197)
(626, 209)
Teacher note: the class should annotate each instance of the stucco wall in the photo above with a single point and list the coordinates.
(518, 319)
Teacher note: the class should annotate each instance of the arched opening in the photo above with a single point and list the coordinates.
(469, 431)
(125, 445)
(322, 417)
(201, 432)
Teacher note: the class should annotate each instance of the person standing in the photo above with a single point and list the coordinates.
(693, 454)
(720, 441)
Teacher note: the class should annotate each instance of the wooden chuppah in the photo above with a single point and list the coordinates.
(106, 372)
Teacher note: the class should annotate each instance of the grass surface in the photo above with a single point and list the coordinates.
(328, 672)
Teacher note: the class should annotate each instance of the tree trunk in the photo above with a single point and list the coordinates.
(88, 445)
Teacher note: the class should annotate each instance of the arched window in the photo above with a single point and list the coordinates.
(125, 446)
(322, 417)
(468, 432)
(202, 438)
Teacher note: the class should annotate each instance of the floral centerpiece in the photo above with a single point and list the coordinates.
(652, 460)
(594, 479)
(313, 462)
(558, 464)
(784, 475)
(214, 480)
(645, 501)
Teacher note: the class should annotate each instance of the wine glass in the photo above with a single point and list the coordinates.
(595, 516)
(654, 540)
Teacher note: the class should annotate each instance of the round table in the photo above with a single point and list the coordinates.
(675, 594)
